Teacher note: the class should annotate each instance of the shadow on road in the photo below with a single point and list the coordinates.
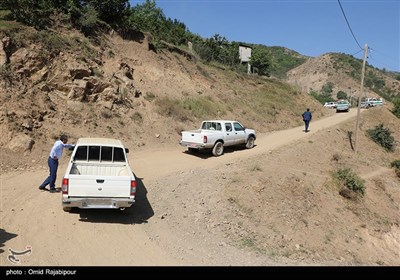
(206, 153)
(4, 236)
(139, 213)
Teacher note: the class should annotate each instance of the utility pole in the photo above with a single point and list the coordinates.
(359, 99)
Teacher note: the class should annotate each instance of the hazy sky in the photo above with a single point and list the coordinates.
(309, 27)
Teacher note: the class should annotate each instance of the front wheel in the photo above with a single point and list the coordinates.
(250, 142)
(218, 149)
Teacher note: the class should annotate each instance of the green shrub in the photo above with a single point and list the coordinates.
(382, 136)
(395, 163)
(350, 180)
(396, 109)
(321, 98)
(341, 95)
(137, 118)
(6, 74)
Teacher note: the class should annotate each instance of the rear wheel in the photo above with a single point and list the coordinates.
(250, 142)
(218, 149)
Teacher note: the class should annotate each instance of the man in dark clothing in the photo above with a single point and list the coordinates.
(307, 116)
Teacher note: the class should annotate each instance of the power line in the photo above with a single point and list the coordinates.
(357, 52)
(348, 24)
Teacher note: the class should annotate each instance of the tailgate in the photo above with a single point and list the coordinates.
(193, 136)
(100, 186)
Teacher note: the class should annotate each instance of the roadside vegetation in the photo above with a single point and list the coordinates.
(382, 136)
(350, 181)
(396, 165)
(396, 108)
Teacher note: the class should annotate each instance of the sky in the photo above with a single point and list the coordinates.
(309, 27)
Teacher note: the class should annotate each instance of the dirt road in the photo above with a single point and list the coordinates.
(34, 218)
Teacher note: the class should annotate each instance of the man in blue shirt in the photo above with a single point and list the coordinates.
(307, 116)
(55, 154)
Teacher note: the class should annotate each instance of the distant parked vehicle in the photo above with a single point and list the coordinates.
(342, 106)
(365, 105)
(373, 102)
(331, 105)
(217, 134)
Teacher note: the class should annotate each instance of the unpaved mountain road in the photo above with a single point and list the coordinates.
(30, 217)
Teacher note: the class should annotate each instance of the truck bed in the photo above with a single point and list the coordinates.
(96, 169)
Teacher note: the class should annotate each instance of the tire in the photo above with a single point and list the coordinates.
(218, 149)
(250, 142)
(67, 209)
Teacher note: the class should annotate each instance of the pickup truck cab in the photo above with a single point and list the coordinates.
(217, 134)
(342, 106)
(98, 176)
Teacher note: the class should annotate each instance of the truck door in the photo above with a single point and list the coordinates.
(240, 134)
(229, 134)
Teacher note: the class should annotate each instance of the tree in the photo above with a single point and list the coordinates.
(341, 95)
(175, 32)
(88, 21)
(327, 89)
(260, 59)
(113, 12)
(147, 17)
(34, 13)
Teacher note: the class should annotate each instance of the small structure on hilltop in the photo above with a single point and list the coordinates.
(245, 56)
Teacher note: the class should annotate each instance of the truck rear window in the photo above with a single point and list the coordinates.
(99, 153)
(211, 126)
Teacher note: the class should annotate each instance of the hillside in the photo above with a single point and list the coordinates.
(344, 73)
(60, 82)
(283, 204)
(276, 204)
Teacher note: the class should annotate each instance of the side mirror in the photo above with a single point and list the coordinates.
(126, 150)
(71, 148)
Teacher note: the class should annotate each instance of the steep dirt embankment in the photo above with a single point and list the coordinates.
(120, 88)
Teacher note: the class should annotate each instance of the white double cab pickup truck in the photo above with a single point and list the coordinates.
(217, 134)
(98, 176)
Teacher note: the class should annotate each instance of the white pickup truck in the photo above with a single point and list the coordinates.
(98, 176)
(217, 134)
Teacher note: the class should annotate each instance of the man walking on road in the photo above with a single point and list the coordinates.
(307, 116)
